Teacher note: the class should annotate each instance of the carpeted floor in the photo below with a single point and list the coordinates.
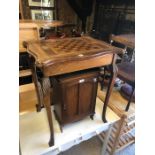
(93, 147)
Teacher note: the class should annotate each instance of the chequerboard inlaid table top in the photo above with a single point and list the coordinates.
(59, 56)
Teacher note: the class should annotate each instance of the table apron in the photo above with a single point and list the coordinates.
(77, 65)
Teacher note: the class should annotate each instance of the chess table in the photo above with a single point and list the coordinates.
(61, 56)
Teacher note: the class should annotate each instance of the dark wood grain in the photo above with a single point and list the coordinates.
(77, 96)
(60, 56)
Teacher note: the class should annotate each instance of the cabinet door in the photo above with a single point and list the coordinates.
(70, 101)
(87, 95)
(79, 97)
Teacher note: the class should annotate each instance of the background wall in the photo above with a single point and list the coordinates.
(107, 17)
(113, 17)
(65, 13)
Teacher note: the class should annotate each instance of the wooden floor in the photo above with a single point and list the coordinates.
(28, 98)
(117, 103)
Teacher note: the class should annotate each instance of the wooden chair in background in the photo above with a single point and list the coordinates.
(30, 32)
(126, 70)
(27, 32)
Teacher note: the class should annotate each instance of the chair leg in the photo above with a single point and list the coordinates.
(103, 78)
(129, 102)
(102, 82)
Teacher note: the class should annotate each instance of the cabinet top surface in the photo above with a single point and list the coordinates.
(55, 50)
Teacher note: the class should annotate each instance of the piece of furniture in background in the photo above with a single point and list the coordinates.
(61, 56)
(126, 72)
(59, 9)
(119, 135)
(53, 29)
(74, 96)
(128, 41)
(45, 26)
(28, 32)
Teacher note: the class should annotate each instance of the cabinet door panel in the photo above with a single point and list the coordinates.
(70, 101)
(86, 95)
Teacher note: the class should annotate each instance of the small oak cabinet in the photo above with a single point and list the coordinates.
(74, 96)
